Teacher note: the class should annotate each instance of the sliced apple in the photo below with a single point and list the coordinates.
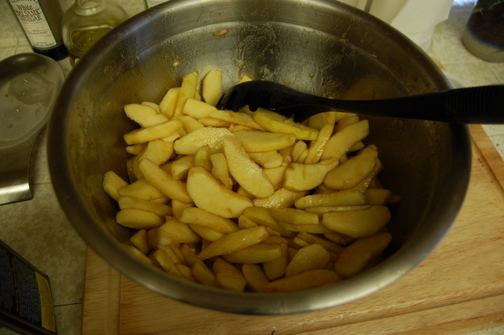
(187, 91)
(245, 171)
(169, 101)
(152, 104)
(281, 198)
(190, 123)
(211, 195)
(245, 222)
(161, 210)
(267, 159)
(326, 209)
(139, 240)
(189, 252)
(353, 171)
(135, 149)
(112, 183)
(158, 151)
(190, 143)
(255, 277)
(304, 177)
(254, 254)
(164, 182)
(361, 254)
(346, 121)
(317, 147)
(151, 133)
(216, 123)
(378, 196)
(363, 185)
(198, 216)
(197, 109)
(181, 166)
(239, 118)
(141, 189)
(341, 142)
(211, 87)
(299, 151)
(174, 232)
(260, 141)
(202, 157)
(339, 198)
(203, 274)
(163, 260)
(228, 276)
(275, 268)
(234, 241)
(138, 219)
(208, 234)
(329, 245)
(308, 258)
(220, 169)
(144, 115)
(295, 216)
(308, 228)
(358, 224)
(276, 175)
(277, 123)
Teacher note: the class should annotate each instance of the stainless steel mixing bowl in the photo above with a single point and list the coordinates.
(321, 47)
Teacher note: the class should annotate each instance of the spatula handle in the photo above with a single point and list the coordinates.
(478, 105)
(481, 105)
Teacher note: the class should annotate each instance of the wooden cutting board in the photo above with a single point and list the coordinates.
(459, 288)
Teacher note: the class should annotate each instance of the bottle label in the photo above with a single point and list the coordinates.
(34, 22)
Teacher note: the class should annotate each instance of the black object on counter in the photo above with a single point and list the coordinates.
(26, 304)
(484, 33)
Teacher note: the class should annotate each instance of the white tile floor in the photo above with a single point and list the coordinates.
(39, 231)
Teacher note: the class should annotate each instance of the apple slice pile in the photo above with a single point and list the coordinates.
(249, 201)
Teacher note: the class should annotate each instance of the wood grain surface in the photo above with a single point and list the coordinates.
(459, 287)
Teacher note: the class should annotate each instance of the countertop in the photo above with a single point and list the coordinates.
(40, 232)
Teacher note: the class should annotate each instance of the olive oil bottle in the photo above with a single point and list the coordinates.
(41, 23)
(86, 21)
